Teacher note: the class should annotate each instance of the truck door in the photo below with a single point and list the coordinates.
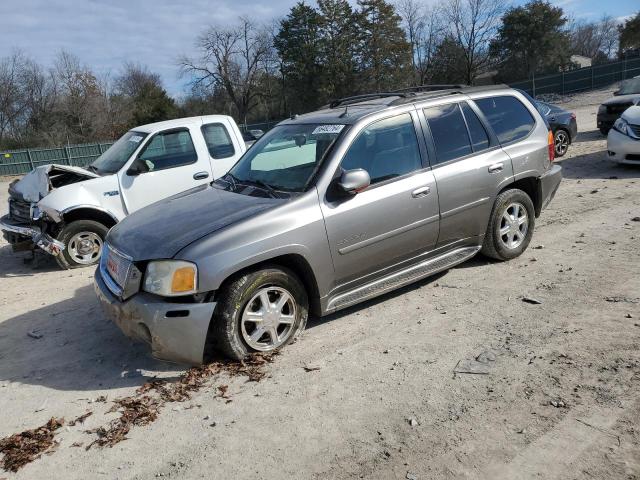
(169, 163)
(223, 146)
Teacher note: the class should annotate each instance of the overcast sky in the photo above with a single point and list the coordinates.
(105, 33)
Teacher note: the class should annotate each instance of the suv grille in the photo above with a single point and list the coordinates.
(19, 211)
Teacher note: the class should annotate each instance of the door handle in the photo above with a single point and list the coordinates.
(496, 167)
(200, 175)
(421, 192)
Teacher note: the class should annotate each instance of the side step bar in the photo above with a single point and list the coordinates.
(403, 277)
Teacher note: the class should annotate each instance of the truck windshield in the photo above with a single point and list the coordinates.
(629, 87)
(283, 160)
(117, 155)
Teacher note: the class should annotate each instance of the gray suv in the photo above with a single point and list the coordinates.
(327, 210)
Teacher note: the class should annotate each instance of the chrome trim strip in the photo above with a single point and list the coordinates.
(459, 209)
(386, 235)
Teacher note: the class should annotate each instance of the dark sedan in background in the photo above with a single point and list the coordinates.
(626, 96)
(563, 125)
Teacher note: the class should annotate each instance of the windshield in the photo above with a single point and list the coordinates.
(117, 155)
(630, 87)
(282, 161)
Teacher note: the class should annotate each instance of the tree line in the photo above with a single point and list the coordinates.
(315, 53)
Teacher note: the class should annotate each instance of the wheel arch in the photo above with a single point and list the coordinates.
(89, 213)
(532, 187)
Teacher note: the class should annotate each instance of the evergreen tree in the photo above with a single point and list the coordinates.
(384, 53)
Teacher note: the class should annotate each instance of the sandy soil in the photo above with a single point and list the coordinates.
(560, 399)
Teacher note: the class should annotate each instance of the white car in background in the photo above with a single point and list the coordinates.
(623, 140)
(67, 210)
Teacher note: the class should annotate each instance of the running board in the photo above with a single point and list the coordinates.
(403, 277)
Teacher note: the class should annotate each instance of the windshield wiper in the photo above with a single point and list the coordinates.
(268, 188)
(230, 180)
(93, 169)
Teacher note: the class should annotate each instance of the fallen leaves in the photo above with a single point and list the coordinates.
(22, 448)
(80, 419)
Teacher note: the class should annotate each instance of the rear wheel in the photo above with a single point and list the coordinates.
(561, 142)
(260, 311)
(510, 226)
(83, 240)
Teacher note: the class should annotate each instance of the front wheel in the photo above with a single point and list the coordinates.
(510, 226)
(82, 241)
(260, 311)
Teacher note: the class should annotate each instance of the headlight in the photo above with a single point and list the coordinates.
(171, 278)
(622, 126)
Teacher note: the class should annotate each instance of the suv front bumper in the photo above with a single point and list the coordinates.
(177, 332)
(27, 231)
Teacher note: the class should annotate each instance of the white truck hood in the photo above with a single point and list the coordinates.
(632, 115)
(41, 180)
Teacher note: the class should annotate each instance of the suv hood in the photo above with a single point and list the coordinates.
(41, 180)
(164, 228)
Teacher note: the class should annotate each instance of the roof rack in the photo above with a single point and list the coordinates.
(366, 96)
(431, 88)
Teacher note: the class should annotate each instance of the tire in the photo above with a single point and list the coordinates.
(242, 299)
(79, 237)
(604, 131)
(499, 246)
(561, 142)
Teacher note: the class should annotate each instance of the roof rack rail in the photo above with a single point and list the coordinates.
(366, 96)
(430, 88)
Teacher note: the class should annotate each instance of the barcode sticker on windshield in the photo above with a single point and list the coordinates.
(135, 139)
(328, 129)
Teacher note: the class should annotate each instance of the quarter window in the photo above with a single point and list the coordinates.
(385, 149)
(508, 117)
(169, 149)
(449, 132)
(479, 137)
(218, 140)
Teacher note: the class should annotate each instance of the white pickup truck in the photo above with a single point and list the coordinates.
(67, 210)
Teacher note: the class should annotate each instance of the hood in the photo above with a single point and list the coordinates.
(622, 99)
(164, 228)
(41, 180)
(632, 115)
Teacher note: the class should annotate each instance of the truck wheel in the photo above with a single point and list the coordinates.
(260, 311)
(510, 226)
(83, 241)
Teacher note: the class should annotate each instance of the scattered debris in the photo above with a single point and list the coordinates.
(412, 421)
(628, 315)
(538, 247)
(635, 219)
(309, 368)
(622, 300)
(411, 476)
(531, 300)
(77, 444)
(558, 403)
(81, 418)
(34, 334)
(595, 190)
(23, 448)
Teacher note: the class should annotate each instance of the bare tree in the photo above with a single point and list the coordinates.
(473, 23)
(232, 59)
(412, 13)
(12, 96)
(594, 39)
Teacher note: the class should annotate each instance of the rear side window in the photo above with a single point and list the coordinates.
(479, 137)
(169, 149)
(508, 117)
(218, 140)
(385, 149)
(449, 132)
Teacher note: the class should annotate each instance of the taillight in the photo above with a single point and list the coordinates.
(552, 150)
(573, 115)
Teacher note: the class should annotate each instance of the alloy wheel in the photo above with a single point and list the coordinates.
(514, 225)
(268, 318)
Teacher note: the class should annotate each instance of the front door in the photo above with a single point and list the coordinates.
(170, 164)
(396, 217)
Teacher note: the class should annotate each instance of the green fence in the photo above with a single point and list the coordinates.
(18, 162)
(581, 79)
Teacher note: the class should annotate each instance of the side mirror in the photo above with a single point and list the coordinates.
(137, 167)
(354, 181)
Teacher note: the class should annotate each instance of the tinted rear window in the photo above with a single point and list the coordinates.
(449, 132)
(508, 117)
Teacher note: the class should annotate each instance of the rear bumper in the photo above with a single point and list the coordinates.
(176, 332)
(623, 149)
(549, 183)
(11, 228)
(573, 129)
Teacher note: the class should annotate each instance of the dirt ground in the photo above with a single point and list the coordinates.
(559, 397)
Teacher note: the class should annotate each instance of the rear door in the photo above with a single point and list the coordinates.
(174, 165)
(469, 168)
(223, 146)
(396, 218)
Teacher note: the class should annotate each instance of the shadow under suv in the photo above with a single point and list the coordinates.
(326, 210)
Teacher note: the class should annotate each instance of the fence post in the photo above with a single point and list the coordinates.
(563, 83)
(100, 148)
(68, 155)
(592, 77)
(30, 159)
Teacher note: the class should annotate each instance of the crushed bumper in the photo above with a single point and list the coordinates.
(549, 183)
(177, 332)
(37, 236)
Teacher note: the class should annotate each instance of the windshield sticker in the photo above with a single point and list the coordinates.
(135, 139)
(334, 129)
